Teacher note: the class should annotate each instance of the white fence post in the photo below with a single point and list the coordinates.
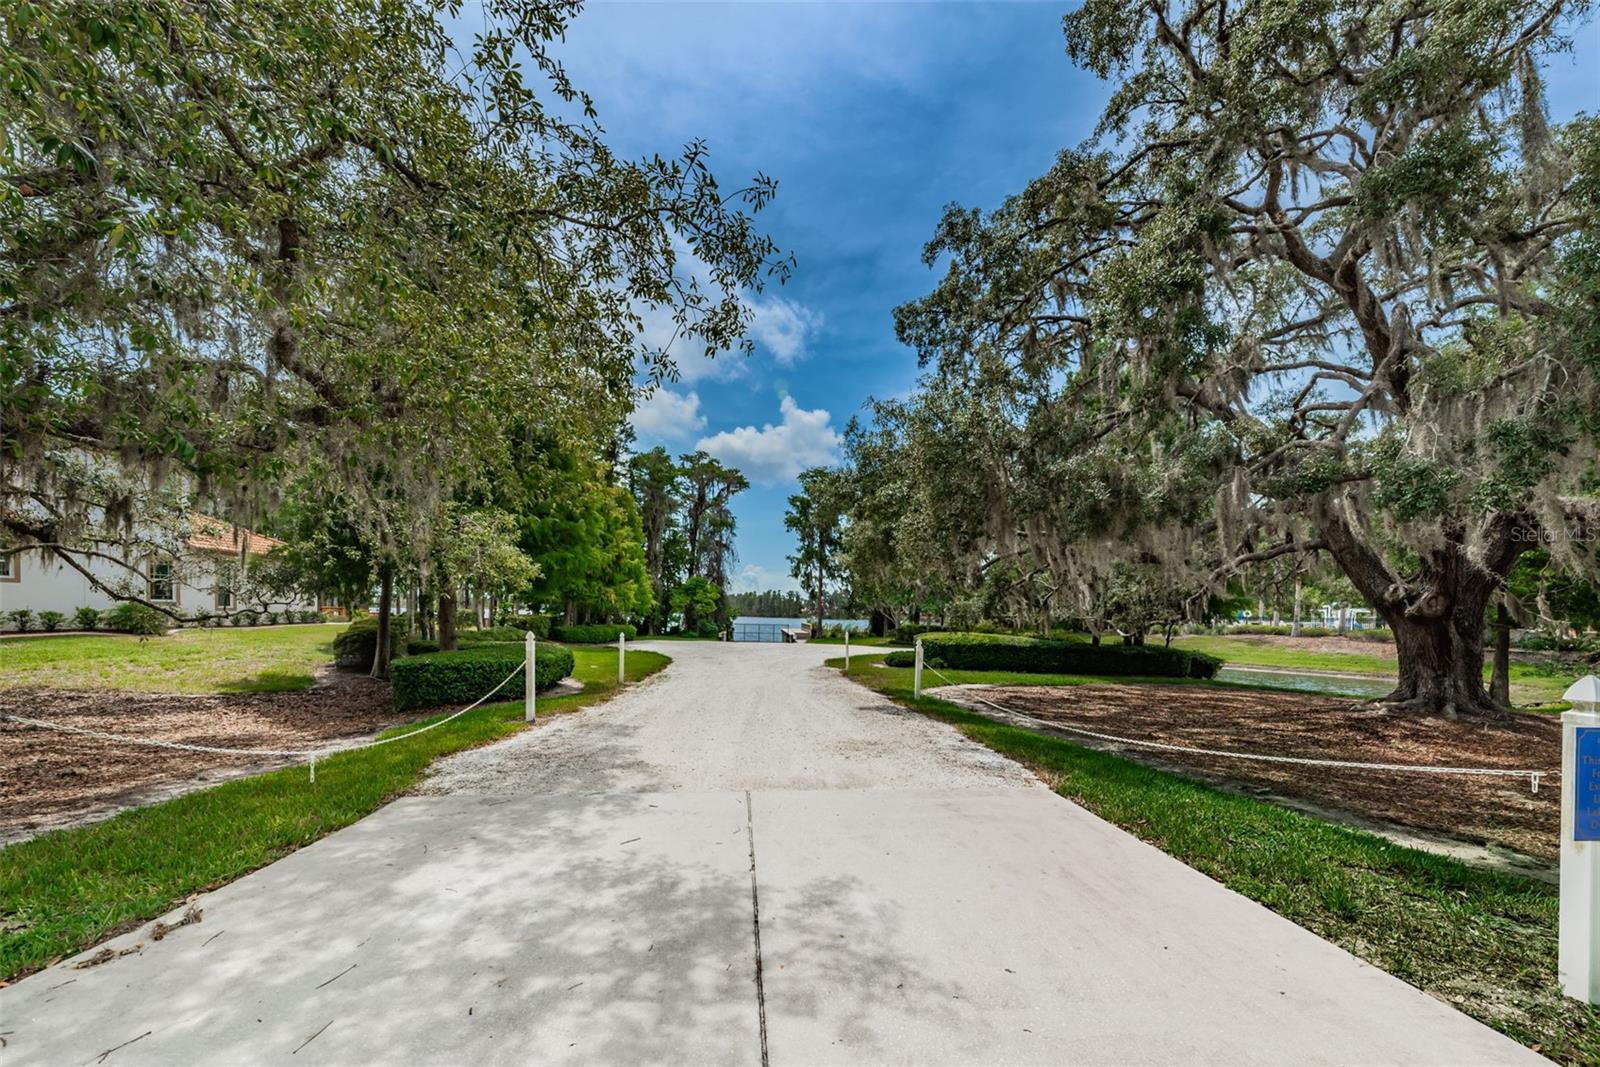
(1578, 960)
(916, 673)
(529, 677)
(622, 655)
(847, 650)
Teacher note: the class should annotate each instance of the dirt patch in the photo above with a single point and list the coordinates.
(1492, 811)
(55, 779)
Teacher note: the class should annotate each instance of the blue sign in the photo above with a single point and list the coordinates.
(1586, 789)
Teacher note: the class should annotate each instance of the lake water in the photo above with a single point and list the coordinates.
(1328, 684)
(756, 628)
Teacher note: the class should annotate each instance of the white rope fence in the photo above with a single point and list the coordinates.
(310, 754)
(1259, 757)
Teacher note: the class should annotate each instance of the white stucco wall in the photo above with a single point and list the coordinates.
(53, 586)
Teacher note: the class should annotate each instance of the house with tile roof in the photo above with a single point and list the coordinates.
(193, 579)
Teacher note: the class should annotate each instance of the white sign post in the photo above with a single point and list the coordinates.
(1578, 962)
(916, 673)
(622, 655)
(529, 677)
(847, 650)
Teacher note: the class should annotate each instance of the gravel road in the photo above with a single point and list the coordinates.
(733, 717)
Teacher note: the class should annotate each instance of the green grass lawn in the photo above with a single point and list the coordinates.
(1480, 940)
(64, 891)
(264, 659)
(1531, 683)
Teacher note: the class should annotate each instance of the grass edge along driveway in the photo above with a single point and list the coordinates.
(1481, 941)
(65, 891)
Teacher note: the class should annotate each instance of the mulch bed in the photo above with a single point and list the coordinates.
(54, 779)
(1496, 811)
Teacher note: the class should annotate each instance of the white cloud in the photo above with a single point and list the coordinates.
(783, 327)
(754, 578)
(780, 327)
(676, 62)
(668, 416)
(778, 453)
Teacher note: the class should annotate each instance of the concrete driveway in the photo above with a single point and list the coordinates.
(745, 860)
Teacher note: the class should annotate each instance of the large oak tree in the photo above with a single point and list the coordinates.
(247, 239)
(1326, 281)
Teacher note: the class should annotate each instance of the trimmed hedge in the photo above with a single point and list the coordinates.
(909, 632)
(495, 635)
(359, 641)
(1280, 630)
(598, 633)
(539, 624)
(1039, 655)
(463, 676)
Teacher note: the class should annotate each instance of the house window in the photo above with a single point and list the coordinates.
(224, 598)
(162, 587)
(10, 567)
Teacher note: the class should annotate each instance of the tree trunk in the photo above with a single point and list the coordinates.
(819, 593)
(380, 653)
(1441, 668)
(1294, 628)
(447, 617)
(879, 624)
(1500, 681)
(1437, 615)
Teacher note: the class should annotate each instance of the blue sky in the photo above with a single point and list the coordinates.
(872, 116)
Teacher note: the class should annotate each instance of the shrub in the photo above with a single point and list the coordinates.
(495, 635)
(51, 620)
(270, 618)
(86, 618)
(236, 619)
(310, 615)
(1038, 655)
(904, 635)
(359, 642)
(1284, 630)
(251, 618)
(538, 624)
(417, 647)
(21, 619)
(599, 633)
(463, 676)
(131, 618)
